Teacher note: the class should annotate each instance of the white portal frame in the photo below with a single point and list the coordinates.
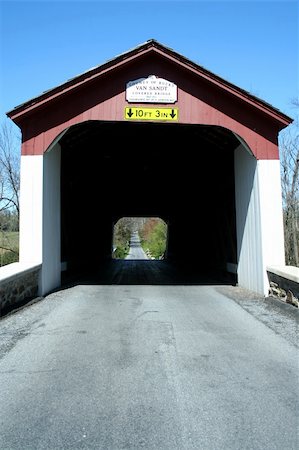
(259, 219)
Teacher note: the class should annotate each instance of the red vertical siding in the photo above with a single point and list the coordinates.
(200, 101)
(36, 139)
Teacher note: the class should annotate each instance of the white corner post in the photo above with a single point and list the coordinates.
(269, 181)
(259, 220)
(51, 248)
(40, 216)
(31, 209)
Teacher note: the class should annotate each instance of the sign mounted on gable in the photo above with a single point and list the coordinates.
(151, 90)
(169, 114)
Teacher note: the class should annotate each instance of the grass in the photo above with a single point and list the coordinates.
(9, 241)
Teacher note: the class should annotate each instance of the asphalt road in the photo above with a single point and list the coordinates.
(136, 251)
(146, 367)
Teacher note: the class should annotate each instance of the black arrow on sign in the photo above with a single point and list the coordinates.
(129, 113)
(173, 113)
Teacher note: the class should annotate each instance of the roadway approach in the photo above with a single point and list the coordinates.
(149, 366)
(136, 251)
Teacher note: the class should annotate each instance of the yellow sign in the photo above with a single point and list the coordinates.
(167, 114)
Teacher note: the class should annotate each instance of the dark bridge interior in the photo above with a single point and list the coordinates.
(181, 173)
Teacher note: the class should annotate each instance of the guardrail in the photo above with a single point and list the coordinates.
(18, 285)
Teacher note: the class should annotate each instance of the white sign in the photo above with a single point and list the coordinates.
(151, 90)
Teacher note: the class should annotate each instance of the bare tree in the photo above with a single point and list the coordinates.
(9, 183)
(289, 158)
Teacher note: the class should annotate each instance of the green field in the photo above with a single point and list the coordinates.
(9, 241)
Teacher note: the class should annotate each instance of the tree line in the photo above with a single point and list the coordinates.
(289, 164)
(9, 193)
(152, 232)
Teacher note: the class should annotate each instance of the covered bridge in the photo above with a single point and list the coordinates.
(151, 133)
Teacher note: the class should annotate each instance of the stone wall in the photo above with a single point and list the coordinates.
(18, 288)
(284, 283)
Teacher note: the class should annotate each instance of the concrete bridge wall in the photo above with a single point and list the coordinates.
(18, 283)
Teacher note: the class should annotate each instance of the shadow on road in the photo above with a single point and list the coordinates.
(137, 272)
(149, 272)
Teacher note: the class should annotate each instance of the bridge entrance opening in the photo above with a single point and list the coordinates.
(183, 173)
(139, 238)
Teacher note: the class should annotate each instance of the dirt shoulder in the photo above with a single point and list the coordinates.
(281, 317)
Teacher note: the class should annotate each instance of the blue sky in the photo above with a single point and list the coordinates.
(253, 44)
